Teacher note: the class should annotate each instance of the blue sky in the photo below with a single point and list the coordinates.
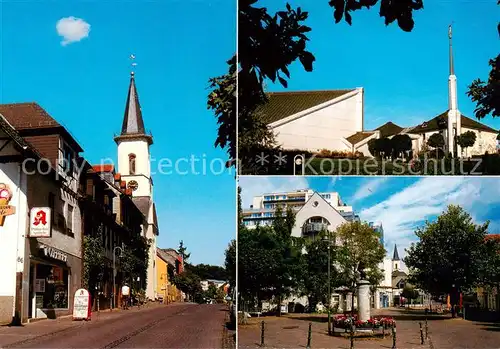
(401, 203)
(178, 45)
(405, 75)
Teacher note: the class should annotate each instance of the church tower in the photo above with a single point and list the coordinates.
(454, 116)
(396, 261)
(134, 165)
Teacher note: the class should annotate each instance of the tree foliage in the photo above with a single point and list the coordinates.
(93, 260)
(314, 280)
(182, 251)
(448, 257)
(134, 259)
(190, 284)
(206, 271)
(466, 139)
(268, 261)
(230, 263)
(359, 254)
(486, 95)
(409, 292)
(381, 147)
(436, 141)
(401, 146)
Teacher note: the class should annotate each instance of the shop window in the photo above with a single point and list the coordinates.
(52, 286)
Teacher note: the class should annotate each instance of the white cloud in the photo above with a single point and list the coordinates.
(406, 210)
(368, 188)
(258, 185)
(72, 29)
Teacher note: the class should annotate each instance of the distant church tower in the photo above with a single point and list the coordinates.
(396, 261)
(134, 165)
(454, 116)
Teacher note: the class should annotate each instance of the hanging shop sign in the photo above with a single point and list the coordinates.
(81, 305)
(54, 253)
(40, 224)
(5, 208)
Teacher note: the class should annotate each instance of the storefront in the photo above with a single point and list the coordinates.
(52, 282)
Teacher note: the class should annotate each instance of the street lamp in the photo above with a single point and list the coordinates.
(114, 272)
(329, 287)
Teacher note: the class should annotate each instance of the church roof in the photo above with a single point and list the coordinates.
(132, 120)
(283, 104)
(389, 129)
(142, 203)
(395, 256)
(433, 124)
(358, 137)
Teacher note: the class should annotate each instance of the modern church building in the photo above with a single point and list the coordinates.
(334, 120)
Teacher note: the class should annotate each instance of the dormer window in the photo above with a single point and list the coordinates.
(131, 163)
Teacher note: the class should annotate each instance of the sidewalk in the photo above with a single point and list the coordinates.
(49, 327)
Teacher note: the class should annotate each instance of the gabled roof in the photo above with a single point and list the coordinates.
(142, 203)
(132, 120)
(395, 256)
(358, 137)
(433, 124)
(389, 129)
(29, 117)
(283, 104)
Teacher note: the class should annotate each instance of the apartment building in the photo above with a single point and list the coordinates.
(262, 210)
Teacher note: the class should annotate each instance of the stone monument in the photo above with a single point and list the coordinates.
(363, 296)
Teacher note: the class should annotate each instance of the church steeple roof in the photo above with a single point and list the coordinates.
(133, 124)
(132, 120)
(395, 256)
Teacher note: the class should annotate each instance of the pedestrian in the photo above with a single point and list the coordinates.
(125, 296)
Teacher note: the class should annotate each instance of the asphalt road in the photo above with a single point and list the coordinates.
(174, 326)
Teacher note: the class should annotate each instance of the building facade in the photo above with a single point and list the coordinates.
(48, 261)
(334, 120)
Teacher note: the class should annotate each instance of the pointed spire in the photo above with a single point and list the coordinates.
(395, 256)
(132, 120)
(450, 34)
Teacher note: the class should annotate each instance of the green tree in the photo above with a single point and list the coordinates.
(489, 274)
(359, 254)
(182, 251)
(487, 94)
(190, 284)
(401, 145)
(134, 261)
(268, 261)
(466, 140)
(268, 44)
(230, 263)
(409, 292)
(374, 147)
(436, 141)
(448, 257)
(314, 282)
(206, 271)
(93, 260)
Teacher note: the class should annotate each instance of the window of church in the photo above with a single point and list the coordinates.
(131, 163)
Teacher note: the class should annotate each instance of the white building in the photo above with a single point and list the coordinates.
(264, 206)
(134, 165)
(334, 120)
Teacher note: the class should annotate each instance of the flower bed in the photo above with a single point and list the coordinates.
(343, 321)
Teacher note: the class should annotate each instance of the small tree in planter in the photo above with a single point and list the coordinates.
(466, 140)
(410, 293)
(436, 141)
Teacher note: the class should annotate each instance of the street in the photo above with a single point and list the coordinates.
(179, 325)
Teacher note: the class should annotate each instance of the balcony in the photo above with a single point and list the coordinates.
(309, 228)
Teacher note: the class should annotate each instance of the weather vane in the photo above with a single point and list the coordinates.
(133, 64)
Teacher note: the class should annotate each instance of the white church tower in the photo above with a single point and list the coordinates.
(134, 165)
(454, 116)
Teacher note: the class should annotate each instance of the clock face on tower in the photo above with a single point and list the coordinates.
(133, 185)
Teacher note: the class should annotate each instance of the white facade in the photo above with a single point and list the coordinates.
(12, 234)
(324, 126)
